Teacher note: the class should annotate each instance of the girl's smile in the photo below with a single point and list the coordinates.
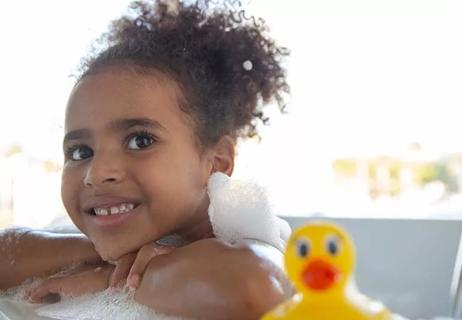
(110, 211)
(133, 172)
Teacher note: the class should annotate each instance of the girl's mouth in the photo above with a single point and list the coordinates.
(117, 209)
(113, 215)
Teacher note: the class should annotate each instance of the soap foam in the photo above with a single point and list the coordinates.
(19, 292)
(108, 304)
(242, 210)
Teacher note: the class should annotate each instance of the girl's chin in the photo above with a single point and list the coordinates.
(110, 254)
(113, 249)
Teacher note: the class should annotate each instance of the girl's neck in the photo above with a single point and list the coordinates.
(199, 227)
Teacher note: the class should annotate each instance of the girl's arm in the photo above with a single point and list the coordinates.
(211, 280)
(204, 280)
(27, 253)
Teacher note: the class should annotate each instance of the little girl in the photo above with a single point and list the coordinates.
(151, 118)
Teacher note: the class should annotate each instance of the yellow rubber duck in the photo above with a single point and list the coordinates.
(319, 261)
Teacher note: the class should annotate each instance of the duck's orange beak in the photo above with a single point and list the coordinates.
(320, 275)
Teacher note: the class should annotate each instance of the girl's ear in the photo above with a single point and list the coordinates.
(223, 156)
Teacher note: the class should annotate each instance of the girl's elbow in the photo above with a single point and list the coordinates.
(262, 291)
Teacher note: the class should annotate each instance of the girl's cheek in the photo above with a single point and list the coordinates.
(69, 192)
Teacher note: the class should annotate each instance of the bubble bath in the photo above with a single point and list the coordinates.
(232, 200)
(108, 304)
(105, 305)
(231, 203)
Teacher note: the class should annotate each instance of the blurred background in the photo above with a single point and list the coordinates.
(372, 128)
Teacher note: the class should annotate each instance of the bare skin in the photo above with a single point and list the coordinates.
(200, 281)
(29, 253)
(210, 280)
(128, 143)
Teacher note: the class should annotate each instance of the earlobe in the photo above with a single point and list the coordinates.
(223, 156)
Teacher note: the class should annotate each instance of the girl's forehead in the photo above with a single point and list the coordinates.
(109, 94)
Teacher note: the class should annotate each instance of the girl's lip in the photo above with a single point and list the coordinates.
(114, 219)
(105, 202)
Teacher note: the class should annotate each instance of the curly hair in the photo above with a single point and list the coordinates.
(225, 64)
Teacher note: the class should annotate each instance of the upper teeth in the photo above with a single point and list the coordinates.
(122, 208)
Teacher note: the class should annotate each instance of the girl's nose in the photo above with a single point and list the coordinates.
(104, 169)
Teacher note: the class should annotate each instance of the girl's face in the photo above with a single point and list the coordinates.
(132, 171)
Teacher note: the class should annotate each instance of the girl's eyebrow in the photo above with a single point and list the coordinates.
(124, 124)
(116, 125)
(76, 134)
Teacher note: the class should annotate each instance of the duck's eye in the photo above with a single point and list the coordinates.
(333, 245)
(303, 248)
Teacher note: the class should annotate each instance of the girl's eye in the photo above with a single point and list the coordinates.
(333, 245)
(140, 141)
(78, 153)
(303, 248)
